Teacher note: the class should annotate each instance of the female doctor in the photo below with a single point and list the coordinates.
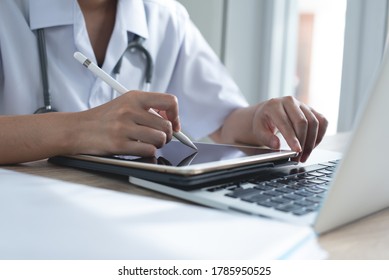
(38, 74)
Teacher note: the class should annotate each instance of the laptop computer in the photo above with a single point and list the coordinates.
(264, 182)
(336, 192)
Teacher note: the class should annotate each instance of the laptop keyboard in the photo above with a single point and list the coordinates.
(298, 193)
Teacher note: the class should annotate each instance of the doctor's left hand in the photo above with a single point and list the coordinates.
(302, 127)
(125, 125)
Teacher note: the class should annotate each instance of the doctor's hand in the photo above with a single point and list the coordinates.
(302, 127)
(125, 125)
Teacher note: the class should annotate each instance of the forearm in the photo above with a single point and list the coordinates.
(32, 137)
(237, 128)
(122, 126)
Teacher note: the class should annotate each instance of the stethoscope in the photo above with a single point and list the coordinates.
(135, 45)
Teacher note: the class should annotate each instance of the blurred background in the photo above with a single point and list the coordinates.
(323, 52)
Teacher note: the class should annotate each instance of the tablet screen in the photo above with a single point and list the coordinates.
(178, 155)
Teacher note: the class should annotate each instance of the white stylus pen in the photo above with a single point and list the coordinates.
(121, 89)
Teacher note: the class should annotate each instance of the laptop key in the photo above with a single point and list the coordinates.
(316, 173)
(304, 185)
(325, 172)
(317, 181)
(301, 212)
(263, 187)
(315, 189)
(272, 193)
(276, 184)
(288, 207)
(292, 196)
(313, 207)
(242, 193)
(266, 203)
(285, 190)
(303, 193)
(320, 195)
(314, 199)
(279, 200)
(326, 179)
(233, 188)
(304, 203)
(306, 176)
(256, 198)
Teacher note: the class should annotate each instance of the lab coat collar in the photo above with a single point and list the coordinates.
(133, 14)
(49, 13)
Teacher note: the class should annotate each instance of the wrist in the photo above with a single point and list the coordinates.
(237, 127)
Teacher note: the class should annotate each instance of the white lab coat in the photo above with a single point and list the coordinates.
(184, 64)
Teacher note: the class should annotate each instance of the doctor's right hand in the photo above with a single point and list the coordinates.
(125, 125)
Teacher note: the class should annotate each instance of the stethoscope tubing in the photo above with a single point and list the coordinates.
(136, 44)
(45, 80)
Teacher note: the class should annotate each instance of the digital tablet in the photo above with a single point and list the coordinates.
(179, 165)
